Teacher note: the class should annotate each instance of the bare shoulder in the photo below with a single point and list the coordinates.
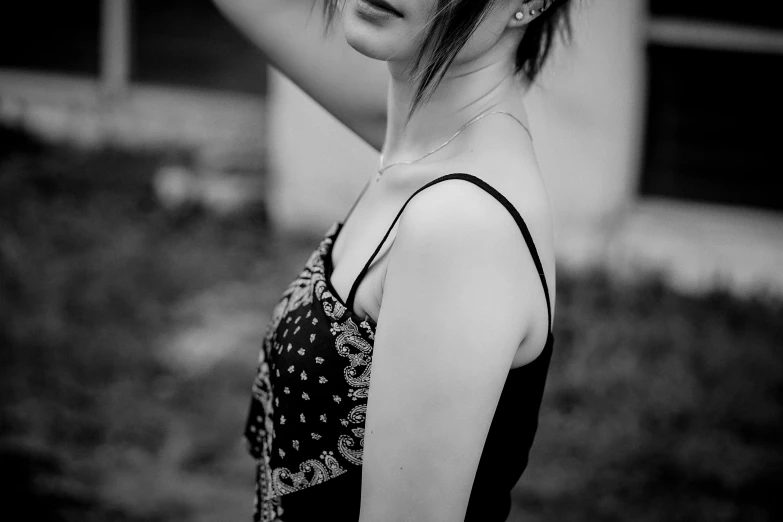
(501, 153)
(505, 158)
(454, 209)
(462, 236)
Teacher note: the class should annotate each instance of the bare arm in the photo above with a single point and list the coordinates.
(454, 312)
(291, 34)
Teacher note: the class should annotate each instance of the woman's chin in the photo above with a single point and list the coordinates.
(377, 42)
(369, 49)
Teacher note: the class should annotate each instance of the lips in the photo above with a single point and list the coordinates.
(381, 4)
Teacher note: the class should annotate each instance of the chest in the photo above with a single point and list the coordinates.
(351, 250)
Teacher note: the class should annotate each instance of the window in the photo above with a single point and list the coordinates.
(759, 14)
(190, 43)
(186, 43)
(714, 107)
(60, 37)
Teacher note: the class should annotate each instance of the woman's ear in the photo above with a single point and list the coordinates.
(527, 11)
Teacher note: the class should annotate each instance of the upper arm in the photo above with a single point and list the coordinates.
(291, 35)
(453, 315)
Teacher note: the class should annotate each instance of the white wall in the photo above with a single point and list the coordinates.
(586, 115)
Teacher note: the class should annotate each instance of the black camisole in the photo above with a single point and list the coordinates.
(305, 427)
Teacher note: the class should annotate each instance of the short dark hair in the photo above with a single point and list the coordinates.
(454, 23)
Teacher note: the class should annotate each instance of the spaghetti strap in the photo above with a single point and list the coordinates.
(498, 196)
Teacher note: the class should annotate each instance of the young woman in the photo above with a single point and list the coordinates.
(440, 285)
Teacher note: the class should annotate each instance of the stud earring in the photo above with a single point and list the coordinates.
(519, 15)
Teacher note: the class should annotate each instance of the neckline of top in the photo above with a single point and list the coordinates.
(329, 268)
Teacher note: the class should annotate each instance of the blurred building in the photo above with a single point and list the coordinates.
(139, 72)
(651, 128)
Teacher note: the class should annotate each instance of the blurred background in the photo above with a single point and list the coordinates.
(160, 186)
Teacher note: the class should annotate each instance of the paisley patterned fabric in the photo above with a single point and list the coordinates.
(305, 426)
(309, 397)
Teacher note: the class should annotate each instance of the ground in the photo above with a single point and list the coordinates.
(130, 333)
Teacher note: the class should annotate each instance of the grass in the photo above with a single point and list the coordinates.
(659, 407)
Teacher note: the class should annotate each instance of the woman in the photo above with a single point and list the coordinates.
(447, 296)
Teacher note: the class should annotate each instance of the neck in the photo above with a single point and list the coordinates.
(466, 91)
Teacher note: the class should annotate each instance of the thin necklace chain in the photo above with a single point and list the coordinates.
(382, 169)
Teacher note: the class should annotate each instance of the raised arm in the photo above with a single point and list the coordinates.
(291, 34)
